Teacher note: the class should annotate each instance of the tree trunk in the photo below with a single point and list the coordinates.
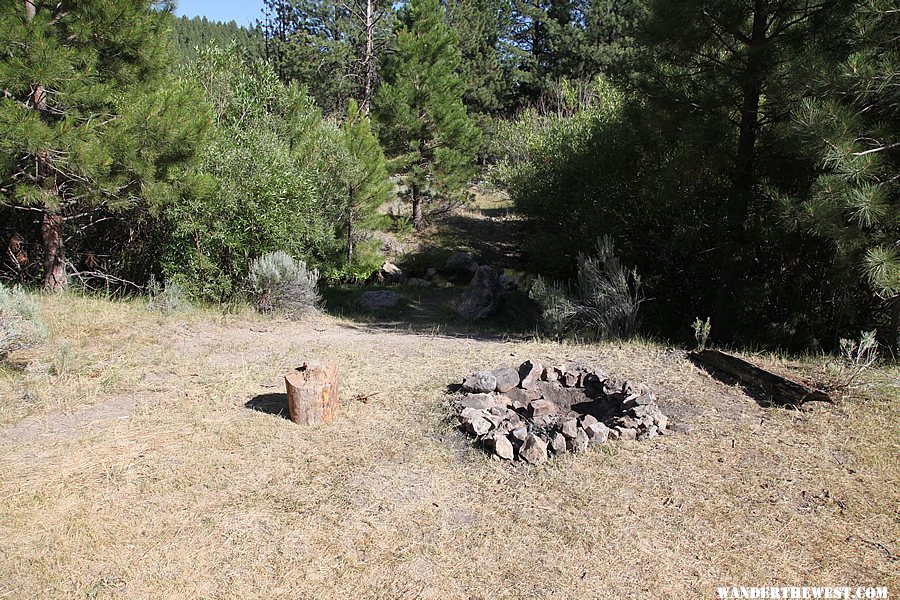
(894, 333)
(743, 179)
(418, 210)
(312, 391)
(55, 278)
(369, 58)
(350, 234)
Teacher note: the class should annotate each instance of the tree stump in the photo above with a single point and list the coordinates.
(312, 391)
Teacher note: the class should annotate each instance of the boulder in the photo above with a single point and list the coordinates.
(534, 450)
(478, 426)
(558, 443)
(519, 398)
(529, 374)
(569, 428)
(430, 272)
(480, 402)
(507, 379)
(579, 443)
(502, 447)
(626, 433)
(597, 433)
(389, 273)
(550, 374)
(520, 433)
(588, 420)
(378, 300)
(460, 262)
(481, 381)
(542, 408)
(416, 282)
(482, 298)
(570, 378)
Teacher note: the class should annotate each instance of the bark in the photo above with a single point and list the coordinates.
(369, 58)
(350, 231)
(312, 391)
(777, 388)
(417, 208)
(55, 278)
(743, 178)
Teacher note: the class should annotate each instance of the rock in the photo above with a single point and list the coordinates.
(430, 272)
(544, 421)
(478, 426)
(534, 450)
(542, 408)
(626, 433)
(529, 374)
(597, 433)
(520, 397)
(569, 379)
(642, 400)
(662, 421)
(613, 434)
(569, 428)
(558, 443)
(507, 379)
(480, 402)
(416, 282)
(378, 300)
(550, 374)
(482, 298)
(480, 381)
(460, 262)
(651, 433)
(503, 447)
(390, 273)
(579, 443)
(520, 433)
(588, 420)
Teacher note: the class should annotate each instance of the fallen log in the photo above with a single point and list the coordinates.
(778, 389)
(312, 391)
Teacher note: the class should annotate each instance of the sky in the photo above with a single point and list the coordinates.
(244, 12)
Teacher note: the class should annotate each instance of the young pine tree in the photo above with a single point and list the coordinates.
(369, 182)
(89, 117)
(424, 122)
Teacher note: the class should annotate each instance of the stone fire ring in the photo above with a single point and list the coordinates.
(536, 412)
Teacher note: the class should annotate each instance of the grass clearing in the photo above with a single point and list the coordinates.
(193, 495)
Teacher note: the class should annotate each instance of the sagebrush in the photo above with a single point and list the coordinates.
(20, 323)
(284, 285)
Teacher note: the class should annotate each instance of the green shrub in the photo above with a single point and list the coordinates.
(166, 298)
(602, 305)
(279, 284)
(20, 323)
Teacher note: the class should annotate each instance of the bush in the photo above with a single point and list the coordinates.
(166, 298)
(280, 284)
(20, 324)
(603, 304)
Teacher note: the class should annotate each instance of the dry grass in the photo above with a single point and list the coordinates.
(196, 496)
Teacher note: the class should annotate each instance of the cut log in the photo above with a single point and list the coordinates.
(312, 391)
(777, 388)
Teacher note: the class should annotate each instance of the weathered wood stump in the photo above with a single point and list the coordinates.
(312, 391)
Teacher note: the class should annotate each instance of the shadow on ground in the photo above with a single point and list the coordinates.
(273, 404)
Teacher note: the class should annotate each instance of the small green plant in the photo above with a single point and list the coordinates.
(283, 285)
(20, 323)
(701, 332)
(856, 357)
(166, 298)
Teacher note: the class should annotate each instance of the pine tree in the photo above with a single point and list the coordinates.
(851, 127)
(424, 122)
(89, 117)
(370, 185)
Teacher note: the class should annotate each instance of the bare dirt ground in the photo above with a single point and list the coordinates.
(130, 466)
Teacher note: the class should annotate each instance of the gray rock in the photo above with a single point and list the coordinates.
(460, 262)
(520, 398)
(416, 282)
(520, 433)
(529, 374)
(579, 443)
(390, 273)
(550, 374)
(378, 300)
(569, 428)
(558, 443)
(503, 447)
(598, 433)
(480, 401)
(482, 298)
(534, 450)
(542, 408)
(569, 379)
(588, 420)
(507, 379)
(478, 426)
(626, 433)
(480, 381)
(430, 272)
